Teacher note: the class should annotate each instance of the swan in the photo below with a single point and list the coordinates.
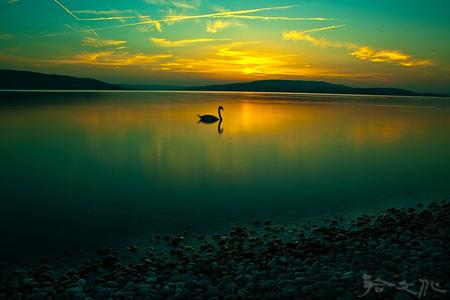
(211, 118)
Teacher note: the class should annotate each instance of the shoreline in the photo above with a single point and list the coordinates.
(217, 92)
(262, 261)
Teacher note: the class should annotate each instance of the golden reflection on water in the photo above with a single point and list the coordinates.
(166, 135)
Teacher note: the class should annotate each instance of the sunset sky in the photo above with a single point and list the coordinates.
(185, 42)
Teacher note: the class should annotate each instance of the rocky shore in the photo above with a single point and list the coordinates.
(401, 254)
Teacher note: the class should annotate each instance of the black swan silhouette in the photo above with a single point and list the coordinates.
(211, 118)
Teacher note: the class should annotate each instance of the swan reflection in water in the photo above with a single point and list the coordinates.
(209, 119)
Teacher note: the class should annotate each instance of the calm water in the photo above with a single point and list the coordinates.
(82, 170)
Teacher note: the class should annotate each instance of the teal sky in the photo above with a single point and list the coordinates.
(361, 43)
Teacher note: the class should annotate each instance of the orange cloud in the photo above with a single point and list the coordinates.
(96, 42)
(236, 59)
(390, 56)
(303, 36)
(216, 26)
(114, 59)
(360, 52)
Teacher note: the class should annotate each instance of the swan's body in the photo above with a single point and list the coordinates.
(211, 118)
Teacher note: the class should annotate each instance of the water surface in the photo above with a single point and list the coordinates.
(85, 169)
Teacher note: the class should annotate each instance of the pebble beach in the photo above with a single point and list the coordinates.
(400, 254)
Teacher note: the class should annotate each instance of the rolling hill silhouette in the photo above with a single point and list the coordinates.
(301, 86)
(24, 80)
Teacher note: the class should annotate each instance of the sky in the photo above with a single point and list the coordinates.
(188, 42)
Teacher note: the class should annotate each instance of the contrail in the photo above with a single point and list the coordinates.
(275, 18)
(211, 15)
(225, 14)
(76, 18)
(93, 19)
(323, 28)
(66, 9)
(108, 18)
(94, 32)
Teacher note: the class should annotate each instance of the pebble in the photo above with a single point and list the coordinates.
(391, 266)
(307, 289)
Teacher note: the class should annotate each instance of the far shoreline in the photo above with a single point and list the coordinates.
(217, 92)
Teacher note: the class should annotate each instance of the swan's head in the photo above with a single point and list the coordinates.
(221, 108)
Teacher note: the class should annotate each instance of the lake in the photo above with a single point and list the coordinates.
(82, 170)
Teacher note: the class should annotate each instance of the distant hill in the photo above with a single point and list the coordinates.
(150, 87)
(301, 86)
(24, 80)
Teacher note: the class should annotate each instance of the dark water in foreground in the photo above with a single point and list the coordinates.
(82, 170)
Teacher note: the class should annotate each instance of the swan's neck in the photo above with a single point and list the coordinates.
(220, 116)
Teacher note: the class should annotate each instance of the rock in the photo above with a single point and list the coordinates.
(165, 290)
(348, 274)
(212, 292)
(299, 280)
(391, 266)
(348, 296)
(133, 248)
(41, 296)
(109, 261)
(27, 281)
(307, 289)
(151, 279)
(437, 256)
(75, 290)
(323, 276)
(130, 286)
(104, 293)
(112, 284)
(321, 285)
(79, 297)
(214, 266)
(175, 241)
(288, 292)
(81, 283)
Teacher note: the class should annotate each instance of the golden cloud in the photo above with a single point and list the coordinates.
(236, 59)
(360, 52)
(114, 59)
(216, 26)
(390, 56)
(96, 42)
(302, 36)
